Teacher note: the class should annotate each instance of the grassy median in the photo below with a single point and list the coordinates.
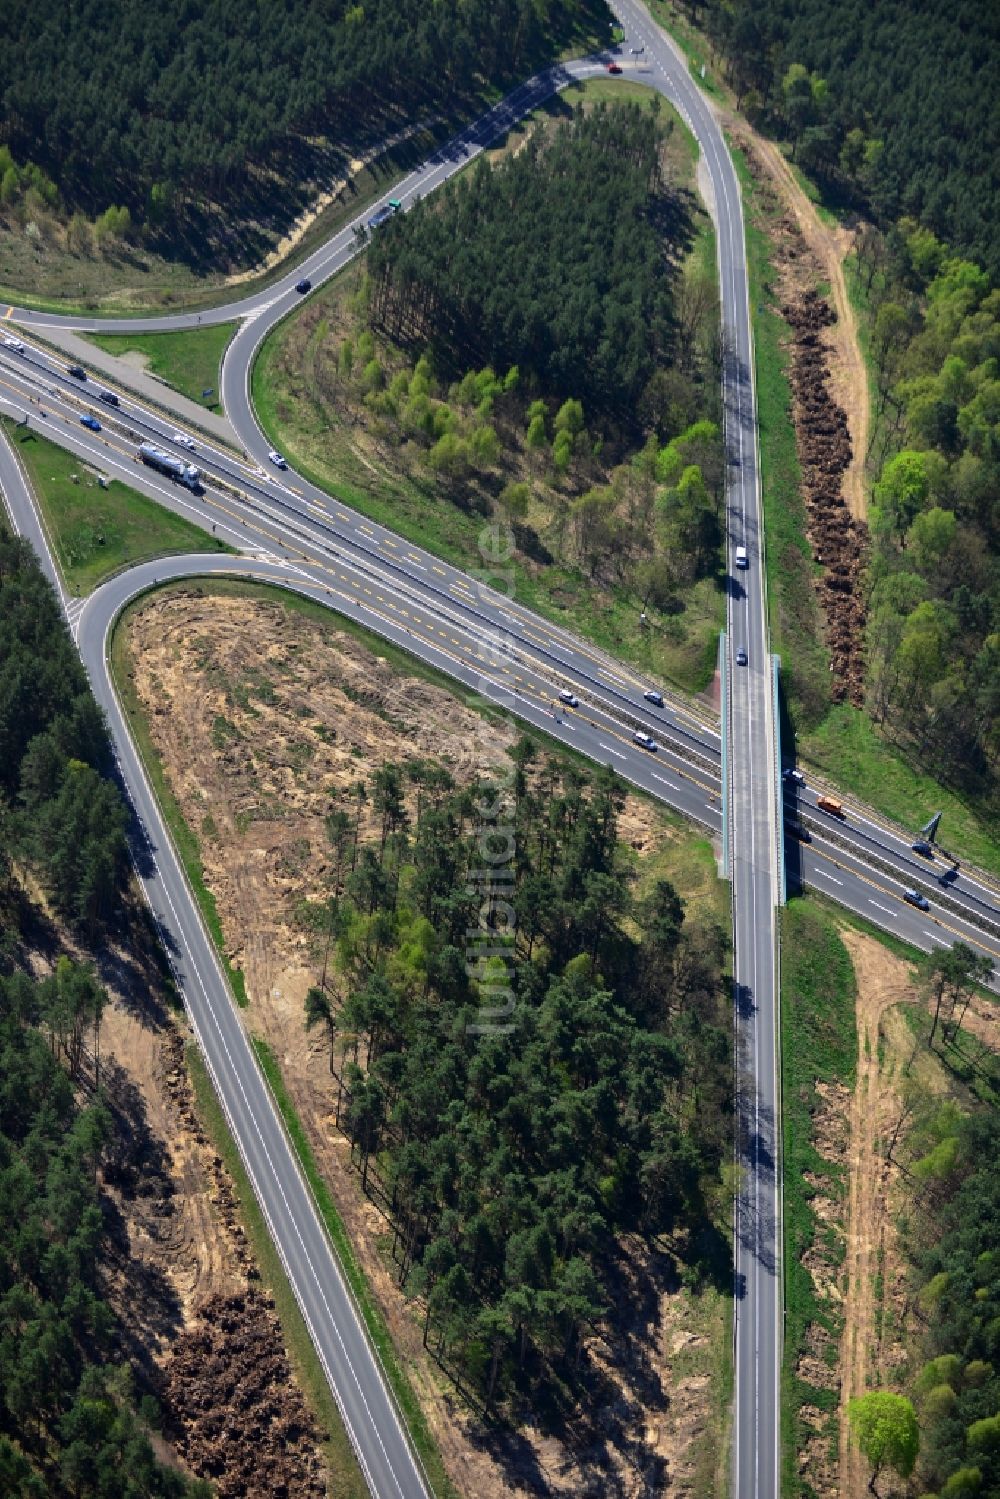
(819, 1045)
(97, 531)
(189, 361)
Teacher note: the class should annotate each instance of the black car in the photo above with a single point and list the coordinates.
(77, 371)
(108, 397)
(303, 286)
(914, 898)
(654, 697)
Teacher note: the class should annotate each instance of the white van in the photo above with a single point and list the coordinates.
(742, 560)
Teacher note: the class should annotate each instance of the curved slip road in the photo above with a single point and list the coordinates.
(305, 517)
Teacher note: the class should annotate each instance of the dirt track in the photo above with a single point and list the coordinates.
(872, 1256)
(829, 245)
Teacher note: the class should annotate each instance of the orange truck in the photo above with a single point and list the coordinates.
(830, 804)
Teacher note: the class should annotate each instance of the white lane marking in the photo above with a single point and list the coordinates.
(831, 877)
(164, 841)
(872, 902)
(671, 784)
(935, 938)
(610, 750)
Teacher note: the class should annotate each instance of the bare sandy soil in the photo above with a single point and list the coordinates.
(262, 718)
(829, 245)
(324, 200)
(879, 1322)
(178, 1272)
(874, 1266)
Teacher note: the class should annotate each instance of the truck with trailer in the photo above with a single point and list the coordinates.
(173, 468)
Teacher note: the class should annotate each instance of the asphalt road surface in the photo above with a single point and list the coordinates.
(298, 536)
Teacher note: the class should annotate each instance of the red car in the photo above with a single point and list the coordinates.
(614, 67)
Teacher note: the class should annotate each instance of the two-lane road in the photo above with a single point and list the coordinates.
(483, 638)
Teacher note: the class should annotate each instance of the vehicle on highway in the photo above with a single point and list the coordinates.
(637, 51)
(108, 397)
(742, 560)
(383, 215)
(646, 740)
(276, 458)
(15, 344)
(614, 67)
(91, 422)
(654, 697)
(182, 440)
(569, 697)
(741, 657)
(921, 846)
(790, 774)
(796, 830)
(77, 371)
(303, 286)
(916, 899)
(173, 468)
(830, 804)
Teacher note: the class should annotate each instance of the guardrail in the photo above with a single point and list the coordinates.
(779, 801)
(819, 782)
(727, 832)
(830, 831)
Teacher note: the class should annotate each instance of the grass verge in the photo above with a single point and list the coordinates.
(190, 360)
(819, 1044)
(412, 666)
(794, 614)
(369, 1308)
(846, 747)
(185, 841)
(95, 531)
(318, 439)
(348, 1482)
(694, 47)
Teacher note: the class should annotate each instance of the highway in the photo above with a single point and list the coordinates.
(754, 814)
(295, 534)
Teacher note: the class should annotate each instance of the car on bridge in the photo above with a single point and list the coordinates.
(741, 657)
(91, 422)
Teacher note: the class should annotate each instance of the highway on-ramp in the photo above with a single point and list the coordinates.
(304, 540)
